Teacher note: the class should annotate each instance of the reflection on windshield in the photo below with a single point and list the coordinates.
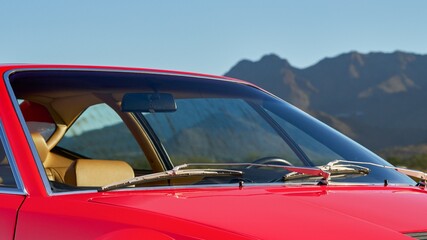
(220, 130)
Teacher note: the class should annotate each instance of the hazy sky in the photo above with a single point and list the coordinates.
(205, 36)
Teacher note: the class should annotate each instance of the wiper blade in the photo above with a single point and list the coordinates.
(409, 172)
(337, 167)
(179, 172)
(310, 171)
(334, 170)
(412, 173)
(172, 174)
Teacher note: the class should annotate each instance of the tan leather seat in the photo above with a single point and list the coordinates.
(97, 173)
(55, 165)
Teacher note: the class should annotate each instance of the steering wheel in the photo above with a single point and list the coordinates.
(270, 160)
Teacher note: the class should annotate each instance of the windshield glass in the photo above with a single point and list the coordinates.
(254, 127)
(218, 130)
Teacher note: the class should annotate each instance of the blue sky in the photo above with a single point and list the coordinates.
(205, 36)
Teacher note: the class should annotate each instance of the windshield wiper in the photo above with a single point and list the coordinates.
(179, 172)
(343, 167)
(334, 169)
(305, 171)
(172, 174)
(408, 172)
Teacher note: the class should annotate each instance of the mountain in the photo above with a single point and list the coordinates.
(274, 73)
(375, 98)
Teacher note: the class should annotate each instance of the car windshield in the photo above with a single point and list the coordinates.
(254, 127)
(211, 121)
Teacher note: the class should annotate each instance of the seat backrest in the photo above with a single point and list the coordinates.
(54, 165)
(97, 173)
(41, 146)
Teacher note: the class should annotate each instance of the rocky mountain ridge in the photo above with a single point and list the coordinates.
(375, 98)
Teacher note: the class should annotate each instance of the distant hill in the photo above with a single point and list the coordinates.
(377, 98)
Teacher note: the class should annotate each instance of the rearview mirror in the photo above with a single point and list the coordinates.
(148, 102)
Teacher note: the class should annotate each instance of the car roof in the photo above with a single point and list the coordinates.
(26, 66)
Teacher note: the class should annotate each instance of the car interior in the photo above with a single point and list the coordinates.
(74, 170)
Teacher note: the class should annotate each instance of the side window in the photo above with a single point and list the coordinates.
(99, 133)
(6, 176)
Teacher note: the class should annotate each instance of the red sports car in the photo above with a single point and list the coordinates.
(124, 153)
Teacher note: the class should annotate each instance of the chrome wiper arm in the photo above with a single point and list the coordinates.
(412, 173)
(349, 168)
(172, 174)
(409, 172)
(310, 171)
(353, 167)
(332, 168)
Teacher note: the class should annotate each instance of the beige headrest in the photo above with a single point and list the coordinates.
(41, 145)
(97, 173)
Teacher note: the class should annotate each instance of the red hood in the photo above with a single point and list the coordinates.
(291, 212)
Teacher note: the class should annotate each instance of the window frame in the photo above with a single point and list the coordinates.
(19, 189)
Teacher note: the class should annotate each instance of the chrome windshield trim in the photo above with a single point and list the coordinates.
(332, 186)
(20, 188)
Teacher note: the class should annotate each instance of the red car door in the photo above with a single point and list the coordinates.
(8, 211)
